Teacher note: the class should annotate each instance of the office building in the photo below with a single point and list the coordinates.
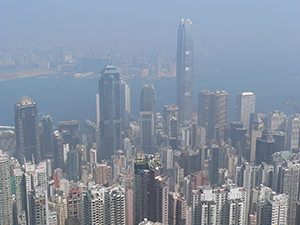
(110, 112)
(20, 193)
(147, 118)
(184, 71)
(237, 132)
(6, 213)
(257, 126)
(214, 164)
(73, 165)
(150, 192)
(245, 104)
(265, 147)
(47, 137)
(70, 132)
(277, 121)
(169, 112)
(148, 98)
(293, 130)
(213, 113)
(125, 101)
(27, 130)
(58, 150)
(280, 140)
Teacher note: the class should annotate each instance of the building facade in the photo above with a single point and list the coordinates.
(184, 71)
(147, 118)
(6, 214)
(110, 111)
(245, 104)
(27, 130)
(213, 113)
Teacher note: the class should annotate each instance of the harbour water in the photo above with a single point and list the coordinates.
(65, 98)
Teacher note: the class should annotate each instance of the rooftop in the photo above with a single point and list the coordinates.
(25, 100)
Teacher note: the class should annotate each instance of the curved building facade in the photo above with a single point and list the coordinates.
(184, 71)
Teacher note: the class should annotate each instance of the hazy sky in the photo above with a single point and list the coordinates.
(235, 24)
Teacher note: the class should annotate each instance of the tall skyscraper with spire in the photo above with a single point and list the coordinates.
(110, 111)
(184, 71)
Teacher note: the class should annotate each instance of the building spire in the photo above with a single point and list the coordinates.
(109, 59)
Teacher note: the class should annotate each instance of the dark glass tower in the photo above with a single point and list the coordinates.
(184, 71)
(110, 111)
(148, 98)
(27, 130)
(47, 137)
(148, 118)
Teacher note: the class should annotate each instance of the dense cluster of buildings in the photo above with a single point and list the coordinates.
(183, 167)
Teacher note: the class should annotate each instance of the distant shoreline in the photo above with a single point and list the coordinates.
(24, 73)
(43, 73)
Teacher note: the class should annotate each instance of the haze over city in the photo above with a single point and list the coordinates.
(149, 112)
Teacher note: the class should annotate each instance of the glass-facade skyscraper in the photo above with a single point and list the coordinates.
(184, 71)
(148, 118)
(27, 130)
(110, 111)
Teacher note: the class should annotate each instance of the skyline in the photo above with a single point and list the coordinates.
(205, 134)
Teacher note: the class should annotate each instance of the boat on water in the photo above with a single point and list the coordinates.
(287, 103)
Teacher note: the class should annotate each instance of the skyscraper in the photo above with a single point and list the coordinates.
(38, 206)
(265, 147)
(150, 192)
(214, 164)
(73, 165)
(184, 71)
(293, 130)
(110, 111)
(245, 104)
(27, 130)
(20, 192)
(148, 118)
(291, 178)
(104, 205)
(125, 97)
(213, 113)
(6, 214)
(75, 204)
(47, 137)
(256, 132)
(58, 150)
(277, 121)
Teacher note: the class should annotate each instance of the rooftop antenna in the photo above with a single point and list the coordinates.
(109, 59)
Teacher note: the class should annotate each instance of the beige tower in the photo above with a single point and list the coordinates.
(256, 132)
